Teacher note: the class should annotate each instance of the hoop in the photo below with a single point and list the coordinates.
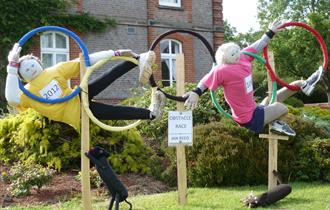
(320, 41)
(84, 97)
(83, 48)
(160, 37)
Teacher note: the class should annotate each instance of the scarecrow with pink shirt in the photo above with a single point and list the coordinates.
(234, 74)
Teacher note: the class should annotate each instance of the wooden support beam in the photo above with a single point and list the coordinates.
(272, 142)
(180, 148)
(85, 136)
(273, 136)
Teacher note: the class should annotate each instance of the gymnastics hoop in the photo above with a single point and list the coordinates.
(83, 48)
(321, 43)
(213, 94)
(84, 97)
(160, 37)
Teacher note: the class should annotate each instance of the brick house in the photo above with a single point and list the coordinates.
(139, 23)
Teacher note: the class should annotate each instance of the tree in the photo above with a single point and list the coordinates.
(230, 31)
(296, 51)
(19, 17)
(242, 39)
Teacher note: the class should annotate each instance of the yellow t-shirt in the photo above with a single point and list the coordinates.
(52, 83)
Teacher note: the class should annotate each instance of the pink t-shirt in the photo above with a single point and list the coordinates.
(236, 80)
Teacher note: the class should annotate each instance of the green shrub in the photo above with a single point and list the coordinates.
(22, 177)
(224, 153)
(313, 161)
(308, 112)
(221, 155)
(95, 178)
(320, 117)
(213, 159)
(30, 137)
(295, 102)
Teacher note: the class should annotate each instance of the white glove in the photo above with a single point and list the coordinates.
(13, 58)
(192, 100)
(125, 52)
(275, 26)
(13, 55)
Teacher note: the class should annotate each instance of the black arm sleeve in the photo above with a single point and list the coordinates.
(198, 91)
(270, 33)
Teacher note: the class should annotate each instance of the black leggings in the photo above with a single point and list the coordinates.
(113, 112)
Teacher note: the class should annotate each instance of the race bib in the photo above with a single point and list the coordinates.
(51, 91)
(248, 84)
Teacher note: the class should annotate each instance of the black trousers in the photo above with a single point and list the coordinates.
(113, 112)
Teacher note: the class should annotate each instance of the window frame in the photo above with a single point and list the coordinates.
(170, 56)
(53, 50)
(168, 4)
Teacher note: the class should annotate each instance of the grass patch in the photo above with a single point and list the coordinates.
(303, 196)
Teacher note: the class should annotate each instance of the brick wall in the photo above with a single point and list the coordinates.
(133, 11)
(180, 16)
(139, 23)
(74, 53)
(202, 58)
(193, 16)
(202, 14)
(218, 35)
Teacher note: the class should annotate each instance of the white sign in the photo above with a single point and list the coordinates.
(51, 91)
(180, 128)
(248, 84)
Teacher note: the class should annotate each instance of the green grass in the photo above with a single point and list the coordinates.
(313, 196)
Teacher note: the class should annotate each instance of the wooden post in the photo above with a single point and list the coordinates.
(273, 142)
(272, 138)
(180, 149)
(85, 167)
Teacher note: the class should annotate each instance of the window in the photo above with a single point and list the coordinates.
(168, 49)
(170, 3)
(54, 47)
(131, 31)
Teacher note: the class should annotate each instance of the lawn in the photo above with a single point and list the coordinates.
(314, 196)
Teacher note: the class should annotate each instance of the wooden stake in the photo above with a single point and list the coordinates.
(85, 166)
(273, 142)
(180, 149)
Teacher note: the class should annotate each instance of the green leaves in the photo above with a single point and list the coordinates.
(29, 137)
(22, 177)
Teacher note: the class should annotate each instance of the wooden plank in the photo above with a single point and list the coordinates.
(85, 165)
(180, 149)
(273, 136)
